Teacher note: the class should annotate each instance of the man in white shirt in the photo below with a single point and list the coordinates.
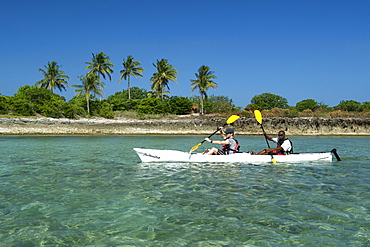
(284, 145)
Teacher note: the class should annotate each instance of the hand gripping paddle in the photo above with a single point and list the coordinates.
(258, 116)
(230, 120)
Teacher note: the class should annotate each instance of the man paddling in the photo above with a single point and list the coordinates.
(283, 145)
(229, 144)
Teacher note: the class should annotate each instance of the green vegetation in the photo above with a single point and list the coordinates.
(53, 77)
(349, 105)
(91, 87)
(307, 104)
(267, 101)
(203, 82)
(100, 65)
(34, 101)
(130, 69)
(30, 101)
(40, 100)
(165, 73)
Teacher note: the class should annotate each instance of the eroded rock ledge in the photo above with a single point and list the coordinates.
(247, 126)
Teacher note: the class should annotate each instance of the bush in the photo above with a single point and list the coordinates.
(101, 109)
(349, 105)
(29, 101)
(49, 110)
(222, 104)
(4, 104)
(73, 110)
(365, 106)
(307, 104)
(180, 105)
(105, 110)
(22, 107)
(216, 104)
(251, 107)
(152, 106)
(120, 101)
(267, 101)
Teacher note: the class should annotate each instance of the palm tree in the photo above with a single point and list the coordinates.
(53, 77)
(91, 86)
(100, 65)
(130, 69)
(165, 73)
(203, 82)
(154, 94)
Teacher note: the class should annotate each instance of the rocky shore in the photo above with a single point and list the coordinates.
(186, 125)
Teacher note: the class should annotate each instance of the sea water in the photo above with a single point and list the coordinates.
(94, 191)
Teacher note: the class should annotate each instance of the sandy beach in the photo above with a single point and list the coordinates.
(196, 125)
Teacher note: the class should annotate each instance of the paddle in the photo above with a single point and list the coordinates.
(258, 116)
(230, 120)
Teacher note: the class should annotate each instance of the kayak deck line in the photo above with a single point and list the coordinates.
(157, 155)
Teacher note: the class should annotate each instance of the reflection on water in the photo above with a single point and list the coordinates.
(93, 191)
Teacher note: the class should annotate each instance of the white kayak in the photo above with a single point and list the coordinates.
(155, 155)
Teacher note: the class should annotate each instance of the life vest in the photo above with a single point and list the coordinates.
(279, 143)
(226, 148)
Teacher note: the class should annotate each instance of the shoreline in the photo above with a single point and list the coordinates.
(181, 126)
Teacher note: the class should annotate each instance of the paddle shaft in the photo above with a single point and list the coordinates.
(258, 117)
(214, 133)
(265, 136)
(230, 120)
(272, 157)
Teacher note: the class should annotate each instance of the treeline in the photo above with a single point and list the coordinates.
(33, 101)
(40, 99)
(277, 106)
(273, 105)
(268, 101)
(100, 66)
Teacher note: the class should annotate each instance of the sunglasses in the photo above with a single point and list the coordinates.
(280, 134)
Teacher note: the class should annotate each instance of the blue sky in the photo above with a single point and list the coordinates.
(298, 49)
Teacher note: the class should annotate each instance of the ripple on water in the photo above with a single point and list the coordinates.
(87, 191)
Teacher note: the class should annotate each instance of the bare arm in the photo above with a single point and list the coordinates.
(216, 142)
(267, 137)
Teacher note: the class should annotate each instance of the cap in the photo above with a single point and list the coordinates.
(229, 131)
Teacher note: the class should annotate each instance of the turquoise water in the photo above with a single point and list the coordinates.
(93, 191)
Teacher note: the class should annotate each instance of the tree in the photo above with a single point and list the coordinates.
(120, 100)
(267, 101)
(165, 73)
(4, 104)
(307, 104)
(100, 65)
(180, 105)
(203, 82)
(91, 86)
(155, 94)
(53, 77)
(136, 93)
(29, 101)
(349, 105)
(365, 106)
(220, 104)
(152, 106)
(130, 69)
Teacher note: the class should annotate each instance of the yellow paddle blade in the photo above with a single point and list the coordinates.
(232, 119)
(195, 147)
(258, 116)
(273, 161)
